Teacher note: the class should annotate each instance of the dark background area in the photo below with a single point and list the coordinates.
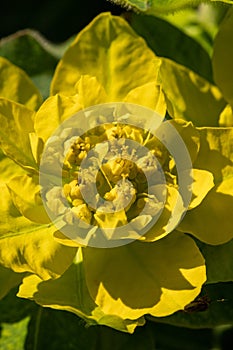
(57, 20)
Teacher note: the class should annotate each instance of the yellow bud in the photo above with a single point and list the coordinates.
(77, 202)
(83, 213)
(75, 193)
(66, 190)
(110, 196)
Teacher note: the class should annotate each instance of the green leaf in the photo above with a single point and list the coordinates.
(8, 280)
(16, 85)
(155, 278)
(219, 261)
(30, 51)
(14, 309)
(13, 335)
(219, 309)
(27, 326)
(168, 41)
(143, 338)
(109, 50)
(223, 56)
(16, 125)
(14, 317)
(162, 6)
(200, 23)
(178, 84)
(69, 292)
(169, 337)
(63, 330)
(52, 329)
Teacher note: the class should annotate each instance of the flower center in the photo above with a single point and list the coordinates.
(106, 176)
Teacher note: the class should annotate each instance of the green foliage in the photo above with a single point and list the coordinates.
(222, 63)
(26, 326)
(200, 23)
(156, 7)
(168, 41)
(219, 261)
(23, 325)
(38, 57)
(218, 309)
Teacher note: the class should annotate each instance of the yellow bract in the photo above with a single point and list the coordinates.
(226, 117)
(109, 50)
(16, 125)
(25, 194)
(16, 85)
(70, 293)
(157, 278)
(53, 112)
(189, 96)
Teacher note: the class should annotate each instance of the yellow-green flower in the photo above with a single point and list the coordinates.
(161, 271)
